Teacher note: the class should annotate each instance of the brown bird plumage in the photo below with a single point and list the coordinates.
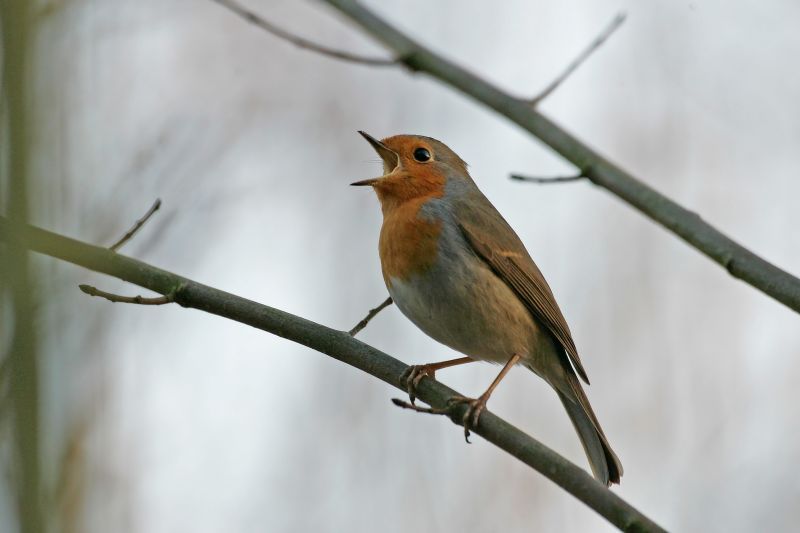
(456, 269)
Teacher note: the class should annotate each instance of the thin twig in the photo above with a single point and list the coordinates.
(136, 227)
(578, 61)
(372, 312)
(341, 346)
(261, 22)
(548, 180)
(413, 407)
(111, 297)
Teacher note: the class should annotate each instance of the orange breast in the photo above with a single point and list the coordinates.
(408, 244)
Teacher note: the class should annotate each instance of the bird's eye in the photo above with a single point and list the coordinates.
(422, 155)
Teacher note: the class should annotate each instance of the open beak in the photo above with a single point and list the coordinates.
(390, 159)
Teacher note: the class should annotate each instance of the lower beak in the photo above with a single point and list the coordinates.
(363, 183)
(390, 159)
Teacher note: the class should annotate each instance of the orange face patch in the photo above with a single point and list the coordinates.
(405, 185)
(408, 244)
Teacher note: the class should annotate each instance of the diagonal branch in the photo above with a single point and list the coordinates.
(578, 61)
(300, 42)
(339, 345)
(740, 262)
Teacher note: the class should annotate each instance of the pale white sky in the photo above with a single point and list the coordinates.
(180, 421)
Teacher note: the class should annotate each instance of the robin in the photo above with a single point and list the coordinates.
(458, 271)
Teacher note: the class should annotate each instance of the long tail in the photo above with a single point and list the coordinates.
(604, 462)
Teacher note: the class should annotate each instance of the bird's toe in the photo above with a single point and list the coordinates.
(411, 377)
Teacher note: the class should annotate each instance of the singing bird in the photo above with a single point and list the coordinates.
(457, 270)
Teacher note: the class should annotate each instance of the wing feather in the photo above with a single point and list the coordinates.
(522, 275)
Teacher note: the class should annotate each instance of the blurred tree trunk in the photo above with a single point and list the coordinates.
(20, 363)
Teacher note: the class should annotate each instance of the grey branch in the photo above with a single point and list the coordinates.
(137, 226)
(341, 346)
(261, 22)
(372, 312)
(578, 61)
(740, 262)
(548, 180)
(140, 300)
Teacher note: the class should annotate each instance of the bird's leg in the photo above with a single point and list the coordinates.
(414, 374)
(475, 406)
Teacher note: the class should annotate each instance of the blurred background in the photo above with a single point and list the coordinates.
(165, 419)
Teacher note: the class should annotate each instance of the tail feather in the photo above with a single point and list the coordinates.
(605, 465)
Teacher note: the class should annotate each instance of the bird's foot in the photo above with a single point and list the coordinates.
(413, 375)
(475, 407)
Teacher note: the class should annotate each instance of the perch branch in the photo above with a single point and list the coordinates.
(339, 345)
(740, 262)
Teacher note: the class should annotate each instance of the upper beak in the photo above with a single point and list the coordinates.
(390, 159)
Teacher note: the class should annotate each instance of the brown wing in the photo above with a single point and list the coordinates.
(520, 273)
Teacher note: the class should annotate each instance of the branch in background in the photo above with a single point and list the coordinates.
(372, 312)
(736, 259)
(300, 42)
(545, 181)
(18, 281)
(136, 227)
(578, 61)
(140, 300)
(339, 345)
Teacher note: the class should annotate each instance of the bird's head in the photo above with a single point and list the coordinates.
(413, 167)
